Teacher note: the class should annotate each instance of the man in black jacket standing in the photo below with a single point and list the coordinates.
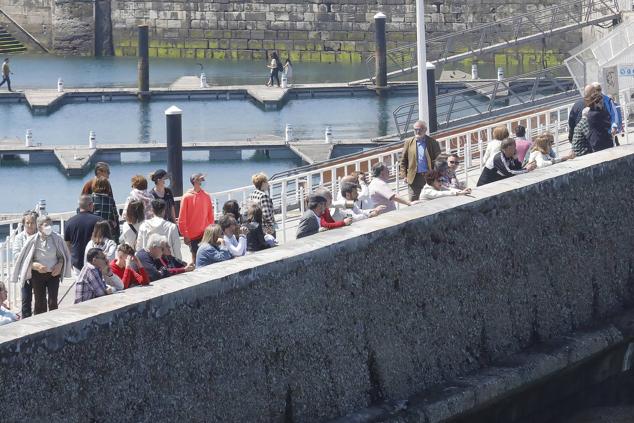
(575, 112)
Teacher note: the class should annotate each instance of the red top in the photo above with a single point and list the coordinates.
(129, 276)
(172, 270)
(328, 222)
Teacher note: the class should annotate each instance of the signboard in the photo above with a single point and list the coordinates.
(626, 70)
(611, 78)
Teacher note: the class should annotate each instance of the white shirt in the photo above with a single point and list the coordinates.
(108, 247)
(7, 316)
(542, 160)
(429, 193)
(235, 247)
(381, 194)
(492, 148)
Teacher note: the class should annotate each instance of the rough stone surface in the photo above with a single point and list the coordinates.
(321, 327)
(306, 30)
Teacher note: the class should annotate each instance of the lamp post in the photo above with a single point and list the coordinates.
(421, 51)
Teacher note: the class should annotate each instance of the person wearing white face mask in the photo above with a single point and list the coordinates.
(161, 192)
(44, 260)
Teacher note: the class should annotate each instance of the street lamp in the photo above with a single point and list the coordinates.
(421, 50)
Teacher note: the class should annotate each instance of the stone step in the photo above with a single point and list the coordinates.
(8, 43)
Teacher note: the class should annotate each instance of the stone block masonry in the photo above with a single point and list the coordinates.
(326, 325)
(306, 30)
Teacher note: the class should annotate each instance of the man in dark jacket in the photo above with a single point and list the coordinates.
(504, 164)
(575, 112)
(150, 258)
(309, 223)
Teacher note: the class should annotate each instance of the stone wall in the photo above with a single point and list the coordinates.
(306, 30)
(326, 325)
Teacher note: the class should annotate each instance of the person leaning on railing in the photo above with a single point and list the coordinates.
(434, 188)
(262, 197)
(212, 247)
(150, 258)
(542, 149)
(499, 134)
(381, 193)
(326, 221)
(310, 223)
(503, 165)
(349, 204)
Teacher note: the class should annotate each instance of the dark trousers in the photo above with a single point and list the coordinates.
(274, 74)
(44, 283)
(193, 247)
(27, 299)
(8, 81)
(416, 187)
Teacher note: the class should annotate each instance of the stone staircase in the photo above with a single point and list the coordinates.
(8, 43)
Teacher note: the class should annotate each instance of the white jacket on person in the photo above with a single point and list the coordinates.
(158, 225)
(430, 193)
(108, 246)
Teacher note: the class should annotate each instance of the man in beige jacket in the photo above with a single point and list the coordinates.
(419, 154)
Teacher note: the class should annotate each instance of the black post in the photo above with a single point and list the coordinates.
(144, 64)
(431, 98)
(380, 52)
(173, 121)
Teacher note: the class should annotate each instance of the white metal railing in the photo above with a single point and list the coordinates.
(289, 193)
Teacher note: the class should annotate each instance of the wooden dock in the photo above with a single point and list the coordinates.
(75, 160)
(485, 87)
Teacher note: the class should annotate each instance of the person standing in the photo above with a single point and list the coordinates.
(574, 116)
(6, 74)
(102, 170)
(161, 192)
(522, 144)
(261, 196)
(499, 134)
(29, 224)
(134, 216)
(44, 260)
(599, 123)
(288, 71)
(104, 205)
(196, 213)
(139, 192)
(159, 225)
(419, 154)
(78, 232)
(580, 144)
(381, 194)
(275, 67)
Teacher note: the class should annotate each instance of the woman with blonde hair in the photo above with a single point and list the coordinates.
(500, 133)
(212, 248)
(542, 150)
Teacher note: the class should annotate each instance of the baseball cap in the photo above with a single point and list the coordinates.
(196, 176)
(159, 174)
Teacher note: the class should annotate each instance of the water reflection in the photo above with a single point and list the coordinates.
(145, 122)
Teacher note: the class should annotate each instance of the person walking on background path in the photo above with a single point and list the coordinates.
(6, 72)
(276, 67)
(288, 71)
(196, 213)
(419, 154)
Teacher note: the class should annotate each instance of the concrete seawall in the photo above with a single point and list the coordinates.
(321, 327)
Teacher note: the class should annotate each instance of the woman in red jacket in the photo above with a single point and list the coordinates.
(122, 267)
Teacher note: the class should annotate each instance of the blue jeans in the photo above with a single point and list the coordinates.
(27, 299)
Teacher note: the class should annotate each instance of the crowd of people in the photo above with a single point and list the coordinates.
(108, 251)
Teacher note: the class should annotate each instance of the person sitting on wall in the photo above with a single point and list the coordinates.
(256, 239)
(381, 194)
(350, 204)
(123, 267)
(159, 225)
(230, 227)
(326, 220)
(90, 282)
(450, 178)
(434, 188)
(359, 179)
(309, 224)
(173, 264)
(212, 247)
(150, 258)
(503, 165)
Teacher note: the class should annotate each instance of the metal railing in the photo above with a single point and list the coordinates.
(481, 100)
(289, 193)
(502, 34)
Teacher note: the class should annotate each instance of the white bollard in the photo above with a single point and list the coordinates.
(289, 133)
(60, 85)
(28, 140)
(203, 80)
(92, 140)
(500, 73)
(41, 208)
(284, 81)
(328, 135)
(474, 71)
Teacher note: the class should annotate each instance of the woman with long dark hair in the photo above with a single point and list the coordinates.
(275, 66)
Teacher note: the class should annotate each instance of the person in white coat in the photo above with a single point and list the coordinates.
(434, 189)
(101, 238)
(542, 152)
(500, 133)
(236, 246)
(158, 225)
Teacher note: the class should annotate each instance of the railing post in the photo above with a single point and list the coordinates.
(284, 211)
(301, 200)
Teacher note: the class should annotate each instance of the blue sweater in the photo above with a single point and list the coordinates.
(209, 254)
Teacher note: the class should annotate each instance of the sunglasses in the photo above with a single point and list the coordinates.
(418, 129)
(453, 162)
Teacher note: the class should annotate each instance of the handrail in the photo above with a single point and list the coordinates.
(24, 31)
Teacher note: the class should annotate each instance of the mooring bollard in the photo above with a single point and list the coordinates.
(284, 81)
(380, 52)
(144, 63)
(474, 71)
(41, 208)
(174, 125)
(60, 85)
(92, 140)
(203, 80)
(28, 139)
(500, 73)
(328, 135)
(288, 133)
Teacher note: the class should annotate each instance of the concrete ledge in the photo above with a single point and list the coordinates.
(318, 328)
